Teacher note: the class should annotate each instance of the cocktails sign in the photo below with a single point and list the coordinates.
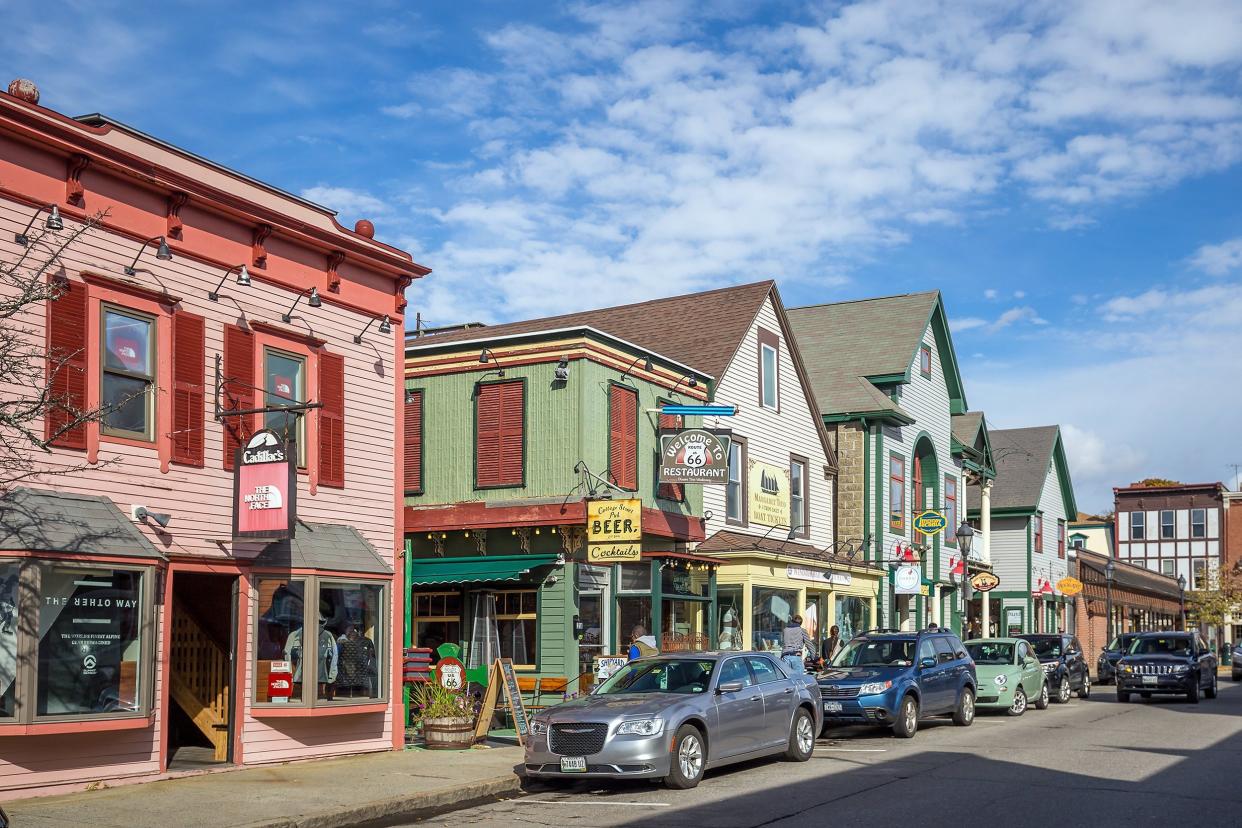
(264, 488)
(614, 531)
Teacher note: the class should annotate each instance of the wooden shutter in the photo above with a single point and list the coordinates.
(189, 357)
(66, 367)
(670, 491)
(332, 420)
(623, 436)
(413, 442)
(500, 439)
(238, 390)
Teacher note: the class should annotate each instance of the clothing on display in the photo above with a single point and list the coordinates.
(356, 662)
(328, 655)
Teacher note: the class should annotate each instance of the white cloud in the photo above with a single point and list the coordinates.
(346, 201)
(1019, 294)
(1013, 316)
(1218, 259)
(966, 323)
(990, 293)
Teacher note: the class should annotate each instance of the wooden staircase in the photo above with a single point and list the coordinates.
(199, 680)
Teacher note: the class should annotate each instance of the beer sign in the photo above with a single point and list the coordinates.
(264, 488)
(614, 531)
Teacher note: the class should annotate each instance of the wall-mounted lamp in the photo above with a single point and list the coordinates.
(689, 381)
(385, 327)
(142, 513)
(52, 222)
(312, 302)
(243, 280)
(562, 369)
(647, 366)
(486, 356)
(162, 253)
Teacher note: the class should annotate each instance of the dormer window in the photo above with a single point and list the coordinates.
(925, 367)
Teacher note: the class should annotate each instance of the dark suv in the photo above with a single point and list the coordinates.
(1063, 663)
(892, 678)
(1106, 667)
(1167, 663)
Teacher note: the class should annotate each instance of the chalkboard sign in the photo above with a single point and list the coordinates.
(513, 697)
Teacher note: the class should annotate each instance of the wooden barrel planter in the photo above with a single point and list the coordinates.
(448, 734)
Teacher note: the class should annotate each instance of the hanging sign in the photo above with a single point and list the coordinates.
(264, 488)
(907, 580)
(694, 455)
(768, 489)
(984, 582)
(930, 522)
(1069, 586)
(614, 531)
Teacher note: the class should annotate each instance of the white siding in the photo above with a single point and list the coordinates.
(1009, 552)
(1047, 564)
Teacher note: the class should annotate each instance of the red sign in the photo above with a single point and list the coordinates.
(451, 674)
(280, 682)
(264, 488)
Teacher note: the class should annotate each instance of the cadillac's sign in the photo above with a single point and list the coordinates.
(264, 488)
(694, 455)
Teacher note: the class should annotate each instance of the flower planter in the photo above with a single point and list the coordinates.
(448, 733)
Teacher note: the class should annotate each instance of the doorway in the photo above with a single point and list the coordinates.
(202, 695)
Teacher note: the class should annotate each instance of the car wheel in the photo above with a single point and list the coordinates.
(1123, 696)
(964, 715)
(1192, 695)
(1210, 692)
(1084, 692)
(801, 737)
(688, 760)
(907, 723)
(1041, 703)
(1019, 703)
(1063, 691)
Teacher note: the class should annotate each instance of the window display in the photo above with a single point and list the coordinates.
(853, 615)
(10, 573)
(772, 610)
(351, 615)
(729, 603)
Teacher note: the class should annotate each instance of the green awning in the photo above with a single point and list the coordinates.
(475, 569)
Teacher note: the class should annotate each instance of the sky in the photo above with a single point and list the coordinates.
(1069, 175)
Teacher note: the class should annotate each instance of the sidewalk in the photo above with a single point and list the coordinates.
(315, 794)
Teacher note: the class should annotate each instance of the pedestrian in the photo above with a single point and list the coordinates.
(641, 644)
(831, 644)
(793, 641)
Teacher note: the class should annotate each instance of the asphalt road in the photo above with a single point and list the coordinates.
(1094, 762)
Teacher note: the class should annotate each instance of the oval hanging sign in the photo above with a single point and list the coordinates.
(1069, 586)
(984, 582)
(930, 522)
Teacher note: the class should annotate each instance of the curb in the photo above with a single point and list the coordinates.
(401, 807)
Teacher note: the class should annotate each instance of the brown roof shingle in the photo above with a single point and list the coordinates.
(1022, 457)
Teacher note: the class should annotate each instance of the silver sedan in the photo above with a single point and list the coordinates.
(674, 716)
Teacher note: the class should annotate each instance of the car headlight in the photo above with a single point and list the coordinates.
(538, 727)
(1048, 668)
(1001, 680)
(1181, 668)
(641, 727)
(1126, 668)
(871, 688)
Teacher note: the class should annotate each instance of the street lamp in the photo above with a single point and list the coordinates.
(1181, 599)
(965, 535)
(1109, 569)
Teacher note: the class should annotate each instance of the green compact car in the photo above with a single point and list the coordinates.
(1010, 677)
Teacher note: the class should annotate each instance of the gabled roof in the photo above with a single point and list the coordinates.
(1022, 457)
(970, 438)
(853, 346)
(966, 427)
(38, 520)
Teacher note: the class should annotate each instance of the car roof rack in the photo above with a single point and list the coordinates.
(882, 631)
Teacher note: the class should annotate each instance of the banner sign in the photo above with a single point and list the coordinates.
(614, 531)
(820, 576)
(264, 488)
(1069, 586)
(984, 582)
(768, 491)
(930, 522)
(694, 455)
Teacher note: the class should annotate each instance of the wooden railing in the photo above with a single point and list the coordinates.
(199, 680)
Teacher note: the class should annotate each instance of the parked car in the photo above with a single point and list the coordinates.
(1010, 677)
(893, 678)
(1065, 668)
(676, 716)
(1167, 663)
(1237, 661)
(1106, 665)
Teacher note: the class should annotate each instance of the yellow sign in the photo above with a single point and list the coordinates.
(608, 553)
(930, 522)
(1069, 586)
(768, 495)
(614, 531)
(984, 582)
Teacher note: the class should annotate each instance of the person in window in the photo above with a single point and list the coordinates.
(642, 645)
(831, 644)
(356, 663)
(328, 654)
(794, 640)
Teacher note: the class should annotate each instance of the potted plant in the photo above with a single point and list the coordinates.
(447, 716)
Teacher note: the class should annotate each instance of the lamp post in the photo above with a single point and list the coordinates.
(1109, 569)
(1181, 599)
(965, 535)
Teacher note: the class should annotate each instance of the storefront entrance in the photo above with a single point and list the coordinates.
(203, 628)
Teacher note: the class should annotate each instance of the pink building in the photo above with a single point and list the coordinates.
(130, 648)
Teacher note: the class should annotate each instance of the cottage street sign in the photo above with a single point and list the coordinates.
(930, 522)
(614, 531)
(984, 582)
(264, 488)
(694, 455)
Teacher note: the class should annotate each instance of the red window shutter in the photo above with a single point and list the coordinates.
(623, 437)
(500, 434)
(238, 390)
(670, 491)
(413, 442)
(332, 420)
(66, 367)
(189, 355)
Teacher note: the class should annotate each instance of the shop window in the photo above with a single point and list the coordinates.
(500, 434)
(772, 609)
(799, 515)
(735, 490)
(1138, 525)
(897, 494)
(1167, 531)
(950, 510)
(516, 625)
(592, 588)
(769, 370)
(1198, 523)
(317, 626)
(853, 615)
(635, 577)
(925, 361)
(680, 581)
(127, 383)
(437, 619)
(729, 610)
(284, 383)
(633, 611)
(623, 436)
(1037, 531)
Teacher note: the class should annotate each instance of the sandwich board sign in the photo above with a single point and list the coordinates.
(503, 679)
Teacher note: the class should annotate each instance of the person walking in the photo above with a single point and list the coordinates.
(794, 640)
(831, 644)
(642, 644)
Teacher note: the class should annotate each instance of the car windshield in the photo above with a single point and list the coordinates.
(1121, 642)
(691, 675)
(1046, 647)
(990, 652)
(877, 652)
(1171, 645)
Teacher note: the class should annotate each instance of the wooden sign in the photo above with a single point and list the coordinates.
(1069, 586)
(503, 677)
(984, 582)
(614, 531)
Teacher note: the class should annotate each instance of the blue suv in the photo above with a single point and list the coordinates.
(893, 678)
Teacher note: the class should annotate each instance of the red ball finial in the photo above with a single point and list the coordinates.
(364, 227)
(24, 89)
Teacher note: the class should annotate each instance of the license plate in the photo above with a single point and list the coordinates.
(832, 707)
(573, 764)
(1149, 679)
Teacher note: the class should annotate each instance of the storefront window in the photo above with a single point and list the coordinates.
(678, 581)
(635, 577)
(681, 623)
(853, 615)
(278, 636)
(437, 619)
(90, 641)
(516, 625)
(729, 604)
(772, 610)
(352, 614)
(10, 573)
(592, 584)
(632, 612)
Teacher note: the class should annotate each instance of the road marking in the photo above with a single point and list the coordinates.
(587, 802)
(855, 750)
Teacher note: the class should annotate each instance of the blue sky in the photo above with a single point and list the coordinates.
(1067, 174)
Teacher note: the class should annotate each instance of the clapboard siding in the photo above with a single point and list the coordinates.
(1009, 536)
(1046, 564)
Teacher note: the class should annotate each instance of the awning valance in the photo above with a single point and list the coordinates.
(473, 570)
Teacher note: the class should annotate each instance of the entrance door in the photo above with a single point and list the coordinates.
(203, 628)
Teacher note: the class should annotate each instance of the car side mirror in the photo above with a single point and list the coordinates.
(728, 687)
(1071, 652)
(927, 663)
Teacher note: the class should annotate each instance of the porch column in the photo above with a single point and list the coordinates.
(985, 526)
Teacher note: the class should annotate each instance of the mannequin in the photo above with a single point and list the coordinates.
(730, 635)
(356, 660)
(328, 655)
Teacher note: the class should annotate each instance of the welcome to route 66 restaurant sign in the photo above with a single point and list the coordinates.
(694, 455)
(264, 488)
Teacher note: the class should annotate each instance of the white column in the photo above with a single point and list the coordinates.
(985, 527)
